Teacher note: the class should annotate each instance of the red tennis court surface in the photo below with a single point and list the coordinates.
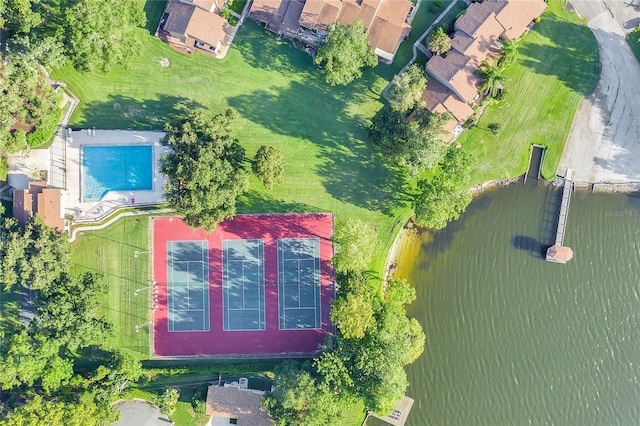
(217, 341)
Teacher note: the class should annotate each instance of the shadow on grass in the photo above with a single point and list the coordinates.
(572, 57)
(153, 10)
(259, 202)
(348, 168)
(150, 114)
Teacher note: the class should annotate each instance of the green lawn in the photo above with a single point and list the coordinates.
(558, 64)
(634, 42)
(110, 252)
(283, 101)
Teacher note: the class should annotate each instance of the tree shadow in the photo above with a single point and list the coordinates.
(254, 201)
(120, 111)
(153, 10)
(349, 168)
(569, 59)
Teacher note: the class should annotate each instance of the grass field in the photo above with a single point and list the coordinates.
(558, 64)
(634, 42)
(283, 101)
(110, 252)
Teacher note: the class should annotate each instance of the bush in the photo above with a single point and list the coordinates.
(435, 6)
(44, 130)
(4, 167)
(167, 402)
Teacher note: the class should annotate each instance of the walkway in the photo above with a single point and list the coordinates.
(564, 208)
(117, 216)
(417, 45)
(604, 142)
(234, 31)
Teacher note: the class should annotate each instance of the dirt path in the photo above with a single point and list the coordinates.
(604, 142)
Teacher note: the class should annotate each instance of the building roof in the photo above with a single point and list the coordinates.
(233, 403)
(271, 12)
(516, 15)
(40, 200)
(208, 27)
(208, 5)
(291, 20)
(559, 254)
(197, 23)
(474, 17)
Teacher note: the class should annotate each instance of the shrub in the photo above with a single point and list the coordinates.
(435, 6)
(44, 129)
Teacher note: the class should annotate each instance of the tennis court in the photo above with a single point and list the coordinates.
(188, 285)
(243, 285)
(299, 283)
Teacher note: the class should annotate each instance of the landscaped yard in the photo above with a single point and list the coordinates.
(557, 66)
(282, 100)
(110, 252)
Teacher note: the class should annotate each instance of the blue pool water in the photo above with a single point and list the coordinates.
(116, 168)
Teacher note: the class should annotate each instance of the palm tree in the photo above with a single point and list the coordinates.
(509, 52)
(493, 78)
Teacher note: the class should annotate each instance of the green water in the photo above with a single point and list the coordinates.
(512, 339)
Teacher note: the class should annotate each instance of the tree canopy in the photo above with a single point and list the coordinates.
(356, 242)
(34, 256)
(99, 33)
(345, 53)
(415, 143)
(407, 88)
(268, 165)
(205, 168)
(440, 42)
(440, 199)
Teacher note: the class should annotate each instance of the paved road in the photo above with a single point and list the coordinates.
(604, 143)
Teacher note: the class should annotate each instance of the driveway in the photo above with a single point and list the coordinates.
(140, 413)
(604, 142)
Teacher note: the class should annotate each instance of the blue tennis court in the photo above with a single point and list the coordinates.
(299, 283)
(243, 285)
(188, 285)
(115, 168)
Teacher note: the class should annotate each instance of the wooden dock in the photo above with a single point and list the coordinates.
(558, 252)
(564, 208)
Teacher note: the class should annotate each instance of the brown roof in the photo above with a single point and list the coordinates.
(291, 20)
(49, 208)
(447, 67)
(386, 36)
(516, 15)
(474, 17)
(559, 253)
(233, 403)
(22, 205)
(456, 71)
(193, 22)
(310, 13)
(38, 199)
(350, 12)
(368, 11)
(207, 5)
(329, 14)
(438, 98)
(208, 27)
(271, 12)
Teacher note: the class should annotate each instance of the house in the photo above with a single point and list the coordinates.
(453, 77)
(236, 405)
(188, 25)
(38, 199)
(310, 20)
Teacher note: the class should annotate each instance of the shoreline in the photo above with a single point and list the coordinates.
(409, 229)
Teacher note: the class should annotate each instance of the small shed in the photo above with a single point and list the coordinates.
(559, 254)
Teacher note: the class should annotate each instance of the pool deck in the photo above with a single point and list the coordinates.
(87, 211)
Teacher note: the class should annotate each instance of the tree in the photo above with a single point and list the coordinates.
(19, 16)
(205, 171)
(100, 33)
(509, 53)
(439, 199)
(407, 88)
(440, 42)
(67, 311)
(34, 256)
(353, 315)
(167, 402)
(493, 78)
(494, 128)
(268, 165)
(415, 143)
(356, 243)
(345, 53)
(39, 411)
(299, 400)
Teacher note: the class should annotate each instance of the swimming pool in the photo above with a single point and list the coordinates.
(115, 168)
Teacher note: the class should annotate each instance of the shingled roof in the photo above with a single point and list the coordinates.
(233, 403)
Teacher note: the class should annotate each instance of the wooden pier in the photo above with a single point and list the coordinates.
(558, 252)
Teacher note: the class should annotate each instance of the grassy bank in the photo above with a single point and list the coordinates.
(110, 252)
(634, 42)
(558, 64)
